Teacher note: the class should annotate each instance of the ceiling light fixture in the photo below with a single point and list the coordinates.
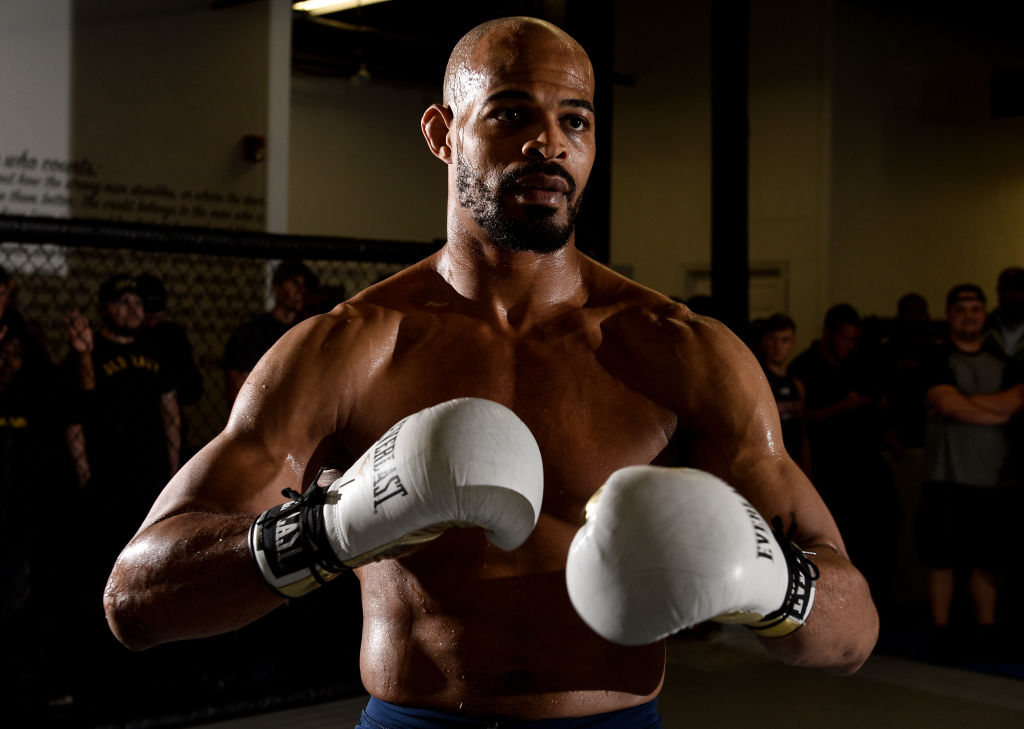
(322, 7)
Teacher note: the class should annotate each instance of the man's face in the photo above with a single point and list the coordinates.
(843, 341)
(523, 142)
(124, 314)
(966, 318)
(290, 293)
(1011, 303)
(776, 346)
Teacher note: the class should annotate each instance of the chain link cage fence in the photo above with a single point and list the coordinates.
(214, 281)
(66, 669)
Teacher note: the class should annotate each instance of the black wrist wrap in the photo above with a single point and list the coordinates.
(290, 546)
(800, 597)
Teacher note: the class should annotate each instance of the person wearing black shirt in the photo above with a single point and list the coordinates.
(291, 283)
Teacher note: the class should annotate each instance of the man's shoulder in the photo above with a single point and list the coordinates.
(654, 328)
(634, 312)
(352, 325)
(400, 291)
(611, 291)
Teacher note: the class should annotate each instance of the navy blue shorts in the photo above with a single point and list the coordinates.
(383, 715)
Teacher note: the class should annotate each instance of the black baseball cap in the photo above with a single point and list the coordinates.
(290, 269)
(965, 292)
(117, 285)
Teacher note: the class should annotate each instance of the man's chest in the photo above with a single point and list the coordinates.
(976, 374)
(586, 419)
(126, 369)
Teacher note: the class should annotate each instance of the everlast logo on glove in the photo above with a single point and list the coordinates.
(288, 548)
(761, 533)
(386, 483)
(286, 536)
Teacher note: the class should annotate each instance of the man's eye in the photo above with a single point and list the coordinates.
(508, 115)
(577, 123)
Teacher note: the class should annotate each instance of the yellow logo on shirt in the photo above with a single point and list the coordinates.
(133, 361)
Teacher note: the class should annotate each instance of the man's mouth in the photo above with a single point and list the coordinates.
(551, 183)
(541, 189)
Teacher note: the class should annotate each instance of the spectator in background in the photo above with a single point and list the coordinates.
(902, 356)
(12, 322)
(122, 434)
(844, 416)
(1006, 324)
(776, 337)
(322, 299)
(171, 347)
(964, 523)
(124, 422)
(1006, 331)
(19, 459)
(30, 449)
(291, 283)
(841, 403)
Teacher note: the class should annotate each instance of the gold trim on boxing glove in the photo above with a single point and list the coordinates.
(591, 505)
(778, 629)
(406, 544)
(799, 598)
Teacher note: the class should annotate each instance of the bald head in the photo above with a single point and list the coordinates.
(494, 46)
(516, 129)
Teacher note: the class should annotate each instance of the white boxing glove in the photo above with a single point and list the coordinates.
(663, 549)
(467, 462)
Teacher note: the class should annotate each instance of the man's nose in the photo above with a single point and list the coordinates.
(548, 142)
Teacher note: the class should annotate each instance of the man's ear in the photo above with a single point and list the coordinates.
(435, 125)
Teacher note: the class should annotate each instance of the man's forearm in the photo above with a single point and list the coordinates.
(950, 403)
(74, 437)
(842, 628)
(86, 373)
(1005, 403)
(188, 576)
(171, 413)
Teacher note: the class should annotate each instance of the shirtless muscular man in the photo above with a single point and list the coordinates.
(498, 384)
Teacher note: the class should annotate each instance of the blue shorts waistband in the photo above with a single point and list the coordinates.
(384, 715)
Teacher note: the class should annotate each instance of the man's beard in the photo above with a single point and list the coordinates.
(122, 331)
(968, 335)
(537, 231)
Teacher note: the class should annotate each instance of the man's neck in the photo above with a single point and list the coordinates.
(113, 336)
(970, 345)
(776, 368)
(826, 353)
(517, 286)
(284, 315)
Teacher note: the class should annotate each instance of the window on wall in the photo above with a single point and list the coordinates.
(769, 286)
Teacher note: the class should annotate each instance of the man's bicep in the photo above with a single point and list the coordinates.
(741, 442)
(944, 398)
(777, 487)
(275, 428)
(230, 475)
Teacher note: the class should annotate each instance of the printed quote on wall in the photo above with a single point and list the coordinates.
(40, 185)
